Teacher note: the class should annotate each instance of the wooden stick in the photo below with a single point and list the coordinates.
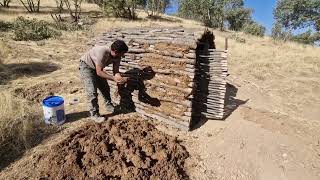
(165, 120)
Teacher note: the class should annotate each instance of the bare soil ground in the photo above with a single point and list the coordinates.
(119, 149)
(273, 133)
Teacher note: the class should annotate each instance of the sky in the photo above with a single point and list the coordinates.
(262, 11)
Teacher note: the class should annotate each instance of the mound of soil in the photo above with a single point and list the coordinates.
(117, 149)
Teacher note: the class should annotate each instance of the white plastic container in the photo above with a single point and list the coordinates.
(53, 110)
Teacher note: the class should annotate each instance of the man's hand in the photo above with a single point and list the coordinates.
(119, 79)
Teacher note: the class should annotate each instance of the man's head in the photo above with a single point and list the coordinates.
(118, 48)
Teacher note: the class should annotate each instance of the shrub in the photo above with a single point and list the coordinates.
(5, 26)
(254, 28)
(31, 6)
(66, 26)
(307, 37)
(25, 29)
(120, 8)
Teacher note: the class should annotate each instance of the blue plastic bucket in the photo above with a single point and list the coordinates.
(53, 110)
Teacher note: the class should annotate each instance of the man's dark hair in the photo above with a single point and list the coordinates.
(119, 46)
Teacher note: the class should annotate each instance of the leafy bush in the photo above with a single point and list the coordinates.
(307, 37)
(254, 28)
(5, 26)
(66, 26)
(25, 29)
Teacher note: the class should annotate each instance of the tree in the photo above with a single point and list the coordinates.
(31, 5)
(153, 7)
(121, 8)
(307, 37)
(74, 10)
(59, 4)
(254, 28)
(292, 15)
(295, 14)
(279, 33)
(215, 13)
(238, 17)
(5, 3)
(210, 12)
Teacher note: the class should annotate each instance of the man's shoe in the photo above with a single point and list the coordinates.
(121, 110)
(109, 107)
(98, 118)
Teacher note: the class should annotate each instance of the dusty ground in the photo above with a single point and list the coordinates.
(275, 134)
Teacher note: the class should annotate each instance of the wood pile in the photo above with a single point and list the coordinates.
(175, 75)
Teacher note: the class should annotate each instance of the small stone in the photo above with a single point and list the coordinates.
(74, 91)
(74, 101)
(40, 43)
(242, 144)
(209, 135)
(284, 155)
(70, 82)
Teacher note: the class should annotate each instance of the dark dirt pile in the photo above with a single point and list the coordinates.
(117, 149)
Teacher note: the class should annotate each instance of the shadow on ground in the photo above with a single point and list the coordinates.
(75, 116)
(9, 72)
(230, 105)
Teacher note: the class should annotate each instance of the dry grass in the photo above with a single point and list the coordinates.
(165, 21)
(46, 7)
(20, 127)
(4, 51)
(289, 73)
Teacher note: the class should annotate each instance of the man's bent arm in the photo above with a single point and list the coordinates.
(116, 66)
(101, 73)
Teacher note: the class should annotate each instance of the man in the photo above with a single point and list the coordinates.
(93, 76)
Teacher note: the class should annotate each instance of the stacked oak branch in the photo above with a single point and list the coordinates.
(210, 83)
(171, 55)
